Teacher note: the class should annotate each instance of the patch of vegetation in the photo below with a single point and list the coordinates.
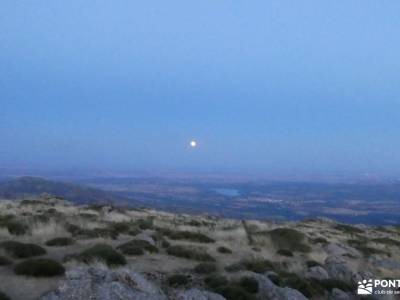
(102, 252)
(144, 224)
(100, 233)
(137, 247)
(214, 281)
(368, 251)
(189, 253)
(249, 284)
(309, 288)
(186, 235)
(22, 250)
(4, 261)
(39, 267)
(224, 250)
(284, 252)
(205, 268)
(386, 241)
(42, 218)
(60, 242)
(178, 280)
(256, 266)
(17, 228)
(160, 240)
(4, 296)
(232, 292)
(312, 263)
(74, 229)
(348, 229)
(320, 240)
(287, 238)
(193, 223)
(88, 216)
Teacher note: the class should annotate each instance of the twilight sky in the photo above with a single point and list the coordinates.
(272, 86)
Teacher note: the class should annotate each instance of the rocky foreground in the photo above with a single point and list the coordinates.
(51, 249)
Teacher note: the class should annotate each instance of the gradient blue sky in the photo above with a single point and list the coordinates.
(297, 86)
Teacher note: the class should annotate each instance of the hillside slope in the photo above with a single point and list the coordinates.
(106, 252)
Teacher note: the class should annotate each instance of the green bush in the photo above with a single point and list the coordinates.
(214, 281)
(231, 292)
(178, 280)
(145, 223)
(205, 268)
(224, 250)
(287, 238)
(249, 284)
(189, 253)
(22, 250)
(387, 241)
(74, 229)
(39, 267)
(137, 247)
(284, 252)
(256, 266)
(4, 296)
(309, 288)
(60, 241)
(17, 228)
(312, 263)
(348, 229)
(186, 235)
(4, 261)
(320, 240)
(102, 252)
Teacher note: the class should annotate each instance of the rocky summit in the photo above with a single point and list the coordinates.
(51, 249)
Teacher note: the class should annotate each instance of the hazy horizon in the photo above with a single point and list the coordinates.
(263, 87)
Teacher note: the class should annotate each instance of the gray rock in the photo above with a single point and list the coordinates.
(385, 263)
(268, 290)
(145, 237)
(334, 249)
(338, 268)
(337, 294)
(317, 273)
(99, 284)
(196, 294)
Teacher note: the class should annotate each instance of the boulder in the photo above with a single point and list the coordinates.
(338, 268)
(337, 294)
(317, 272)
(100, 284)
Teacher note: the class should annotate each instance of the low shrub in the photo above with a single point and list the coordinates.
(39, 267)
(386, 241)
(320, 240)
(249, 284)
(330, 284)
(178, 280)
(256, 266)
(186, 235)
(60, 241)
(348, 229)
(102, 252)
(17, 228)
(287, 238)
(224, 250)
(189, 253)
(22, 250)
(312, 263)
(205, 268)
(284, 252)
(74, 229)
(4, 261)
(144, 224)
(137, 247)
(214, 281)
(232, 292)
(309, 288)
(4, 296)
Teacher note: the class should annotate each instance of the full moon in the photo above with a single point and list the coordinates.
(193, 143)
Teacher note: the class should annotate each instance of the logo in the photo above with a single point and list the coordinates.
(365, 287)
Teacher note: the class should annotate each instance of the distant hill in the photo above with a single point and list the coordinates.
(33, 186)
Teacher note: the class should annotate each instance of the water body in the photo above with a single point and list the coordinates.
(228, 192)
